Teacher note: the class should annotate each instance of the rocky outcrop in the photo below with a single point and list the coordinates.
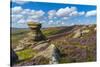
(13, 57)
(32, 38)
(85, 31)
(95, 29)
(80, 32)
(50, 52)
(77, 33)
(41, 46)
(55, 55)
(38, 42)
(50, 55)
(37, 34)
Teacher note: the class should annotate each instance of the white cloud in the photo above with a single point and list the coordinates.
(76, 13)
(42, 21)
(26, 12)
(51, 14)
(63, 14)
(65, 11)
(62, 23)
(32, 20)
(39, 13)
(17, 10)
(72, 24)
(21, 15)
(65, 18)
(21, 21)
(91, 13)
(82, 13)
(36, 14)
(51, 21)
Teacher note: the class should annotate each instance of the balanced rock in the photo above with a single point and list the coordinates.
(32, 37)
(35, 29)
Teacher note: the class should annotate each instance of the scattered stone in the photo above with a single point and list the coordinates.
(77, 33)
(85, 31)
(95, 29)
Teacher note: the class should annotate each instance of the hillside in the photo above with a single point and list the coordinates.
(71, 44)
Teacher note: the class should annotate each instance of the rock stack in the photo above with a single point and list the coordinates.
(34, 37)
(37, 34)
(40, 44)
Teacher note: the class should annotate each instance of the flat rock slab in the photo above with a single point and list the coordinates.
(40, 46)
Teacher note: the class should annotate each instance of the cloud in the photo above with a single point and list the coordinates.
(82, 13)
(21, 21)
(62, 23)
(65, 18)
(51, 14)
(76, 13)
(51, 21)
(72, 24)
(91, 13)
(51, 17)
(17, 10)
(21, 15)
(65, 11)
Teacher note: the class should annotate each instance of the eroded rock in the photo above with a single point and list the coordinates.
(13, 56)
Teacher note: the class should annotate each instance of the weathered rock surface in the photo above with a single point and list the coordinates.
(77, 33)
(13, 56)
(32, 38)
(85, 31)
(35, 28)
(80, 32)
(38, 42)
(51, 52)
(41, 46)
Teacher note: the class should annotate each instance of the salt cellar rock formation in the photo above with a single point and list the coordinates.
(37, 41)
(32, 38)
(37, 34)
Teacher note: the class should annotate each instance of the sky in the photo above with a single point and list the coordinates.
(51, 14)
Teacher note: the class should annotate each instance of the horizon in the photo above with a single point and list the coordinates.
(54, 26)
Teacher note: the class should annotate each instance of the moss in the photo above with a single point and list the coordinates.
(49, 32)
(25, 54)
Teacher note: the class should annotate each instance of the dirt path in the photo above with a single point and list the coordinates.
(53, 37)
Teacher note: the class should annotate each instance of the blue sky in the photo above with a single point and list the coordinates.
(51, 14)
